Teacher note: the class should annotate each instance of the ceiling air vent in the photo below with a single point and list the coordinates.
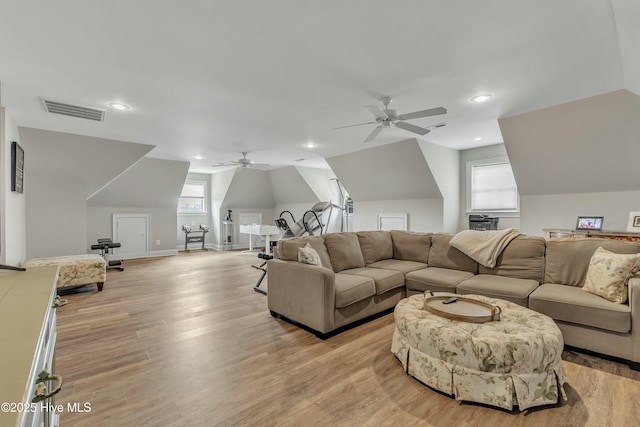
(80, 111)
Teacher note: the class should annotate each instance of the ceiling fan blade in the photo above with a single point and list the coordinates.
(412, 128)
(376, 111)
(259, 165)
(373, 134)
(350, 126)
(423, 113)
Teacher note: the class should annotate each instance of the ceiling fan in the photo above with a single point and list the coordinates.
(243, 162)
(386, 117)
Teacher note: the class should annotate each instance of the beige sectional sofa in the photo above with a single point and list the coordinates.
(367, 273)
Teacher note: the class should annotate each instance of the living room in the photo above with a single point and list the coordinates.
(208, 82)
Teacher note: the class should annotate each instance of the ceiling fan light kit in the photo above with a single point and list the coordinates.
(387, 117)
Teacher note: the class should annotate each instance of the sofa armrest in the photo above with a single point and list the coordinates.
(634, 306)
(303, 293)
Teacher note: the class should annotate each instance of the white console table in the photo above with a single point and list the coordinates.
(28, 337)
(268, 231)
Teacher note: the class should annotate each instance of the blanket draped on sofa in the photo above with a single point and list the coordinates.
(484, 247)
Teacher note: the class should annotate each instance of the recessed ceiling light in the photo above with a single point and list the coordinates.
(478, 139)
(199, 157)
(119, 106)
(310, 145)
(481, 98)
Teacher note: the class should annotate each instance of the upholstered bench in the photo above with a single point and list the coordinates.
(75, 270)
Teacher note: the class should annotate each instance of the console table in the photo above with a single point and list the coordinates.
(28, 337)
(604, 234)
(614, 235)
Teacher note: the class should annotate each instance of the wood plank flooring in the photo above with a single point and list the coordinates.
(186, 341)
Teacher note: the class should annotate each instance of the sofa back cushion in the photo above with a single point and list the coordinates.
(375, 245)
(410, 246)
(287, 249)
(443, 255)
(567, 260)
(344, 251)
(523, 258)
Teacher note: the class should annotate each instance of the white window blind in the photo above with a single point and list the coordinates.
(493, 187)
(193, 197)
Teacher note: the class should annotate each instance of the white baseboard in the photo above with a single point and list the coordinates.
(152, 254)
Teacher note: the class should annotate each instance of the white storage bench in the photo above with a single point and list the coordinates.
(75, 270)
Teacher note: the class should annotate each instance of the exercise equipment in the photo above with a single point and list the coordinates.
(310, 222)
(200, 237)
(262, 267)
(105, 246)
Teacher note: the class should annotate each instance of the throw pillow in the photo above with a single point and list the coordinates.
(308, 255)
(609, 273)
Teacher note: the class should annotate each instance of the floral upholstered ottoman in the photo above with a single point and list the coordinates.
(515, 360)
(75, 270)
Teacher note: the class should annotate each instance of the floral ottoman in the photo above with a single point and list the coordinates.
(516, 360)
(75, 270)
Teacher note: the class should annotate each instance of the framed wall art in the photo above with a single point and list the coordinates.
(634, 222)
(17, 167)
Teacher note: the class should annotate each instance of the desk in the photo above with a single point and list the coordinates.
(260, 230)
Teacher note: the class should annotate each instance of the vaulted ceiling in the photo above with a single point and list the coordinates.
(215, 78)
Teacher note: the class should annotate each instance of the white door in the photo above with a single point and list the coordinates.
(131, 231)
(392, 221)
(249, 219)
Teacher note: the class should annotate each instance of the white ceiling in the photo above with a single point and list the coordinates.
(219, 77)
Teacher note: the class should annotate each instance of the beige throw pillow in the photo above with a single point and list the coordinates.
(308, 255)
(609, 273)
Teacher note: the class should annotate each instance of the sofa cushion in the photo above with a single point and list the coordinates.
(609, 273)
(567, 261)
(507, 288)
(523, 258)
(443, 255)
(288, 249)
(399, 265)
(351, 288)
(375, 245)
(344, 251)
(435, 279)
(384, 279)
(410, 246)
(572, 304)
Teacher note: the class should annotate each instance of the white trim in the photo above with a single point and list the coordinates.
(152, 254)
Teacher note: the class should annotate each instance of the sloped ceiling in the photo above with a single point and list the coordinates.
(96, 161)
(590, 145)
(249, 188)
(289, 187)
(395, 171)
(150, 183)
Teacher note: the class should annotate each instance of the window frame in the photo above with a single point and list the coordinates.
(205, 209)
(509, 212)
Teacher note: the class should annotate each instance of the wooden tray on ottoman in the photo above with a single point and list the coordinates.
(464, 309)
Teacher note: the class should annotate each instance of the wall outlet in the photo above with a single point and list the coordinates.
(157, 242)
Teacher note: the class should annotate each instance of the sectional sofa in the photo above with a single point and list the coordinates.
(366, 273)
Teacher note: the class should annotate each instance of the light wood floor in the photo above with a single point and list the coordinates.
(185, 341)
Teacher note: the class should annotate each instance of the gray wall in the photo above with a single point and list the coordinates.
(578, 158)
(397, 178)
(12, 205)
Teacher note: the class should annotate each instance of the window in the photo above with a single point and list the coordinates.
(192, 199)
(491, 186)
